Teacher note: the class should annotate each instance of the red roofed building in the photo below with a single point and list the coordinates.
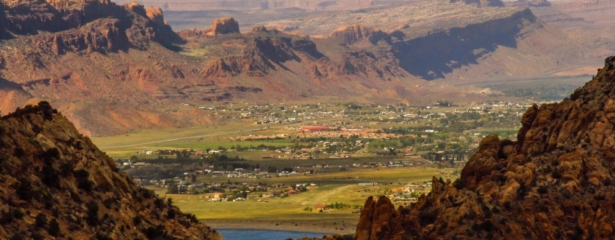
(315, 128)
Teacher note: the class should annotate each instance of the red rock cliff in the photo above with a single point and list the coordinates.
(554, 182)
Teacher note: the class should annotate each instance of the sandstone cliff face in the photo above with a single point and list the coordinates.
(357, 33)
(224, 26)
(56, 183)
(554, 182)
(262, 55)
(482, 3)
(532, 3)
(82, 22)
(220, 26)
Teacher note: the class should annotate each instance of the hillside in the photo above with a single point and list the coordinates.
(553, 182)
(56, 183)
(112, 69)
(251, 5)
(108, 68)
(284, 67)
(584, 21)
(462, 43)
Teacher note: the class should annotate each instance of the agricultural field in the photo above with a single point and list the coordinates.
(298, 211)
(275, 166)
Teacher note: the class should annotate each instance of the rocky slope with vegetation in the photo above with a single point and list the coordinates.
(555, 181)
(54, 183)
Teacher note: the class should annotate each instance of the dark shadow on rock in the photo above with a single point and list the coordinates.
(7, 85)
(432, 56)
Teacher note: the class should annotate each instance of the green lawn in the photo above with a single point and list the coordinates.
(292, 208)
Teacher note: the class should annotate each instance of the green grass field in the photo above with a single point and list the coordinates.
(198, 137)
(291, 209)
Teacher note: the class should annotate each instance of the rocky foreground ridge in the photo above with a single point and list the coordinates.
(54, 183)
(554, 182)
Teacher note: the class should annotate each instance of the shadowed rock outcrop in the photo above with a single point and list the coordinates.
(87, 24)
(220, 26)
(554, 182)
(224, 26)
(54, 183)
(482, 3)
(357, 33)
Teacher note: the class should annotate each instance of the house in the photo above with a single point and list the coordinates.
(140, 164)
(315, 128)
(367, 184)
(216, 195)
(292, 191)
(320, 207)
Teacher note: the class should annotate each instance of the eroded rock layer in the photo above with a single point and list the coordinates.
(54, 183)
(554, 182)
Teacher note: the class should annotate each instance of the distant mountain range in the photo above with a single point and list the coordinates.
(115, 68)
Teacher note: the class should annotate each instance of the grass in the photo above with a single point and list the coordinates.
(124, 146)
(291, 209)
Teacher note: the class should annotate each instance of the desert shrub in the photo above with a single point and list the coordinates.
(507, 205)
(17, 213)
(50, 177)
(83, 181)
(607, 182)
(171, 213)
(193, 218)
(41, 220)
(487, 226)
(486, 211)
(556, 174)
(19, 152)
(36, 235)
(157, 232)
(25, 190)
(495, 210)
(457, 184)
(147, 194)
(51, 154)
(54, 228)
(108, 202)
(599, 197)
(18, 236)
(543, 208)
(405, 211)
(137, 220)
(92, 217)
(427, 217)
(67, 168)
(159, 203)
(75, 197)
(101, 236)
